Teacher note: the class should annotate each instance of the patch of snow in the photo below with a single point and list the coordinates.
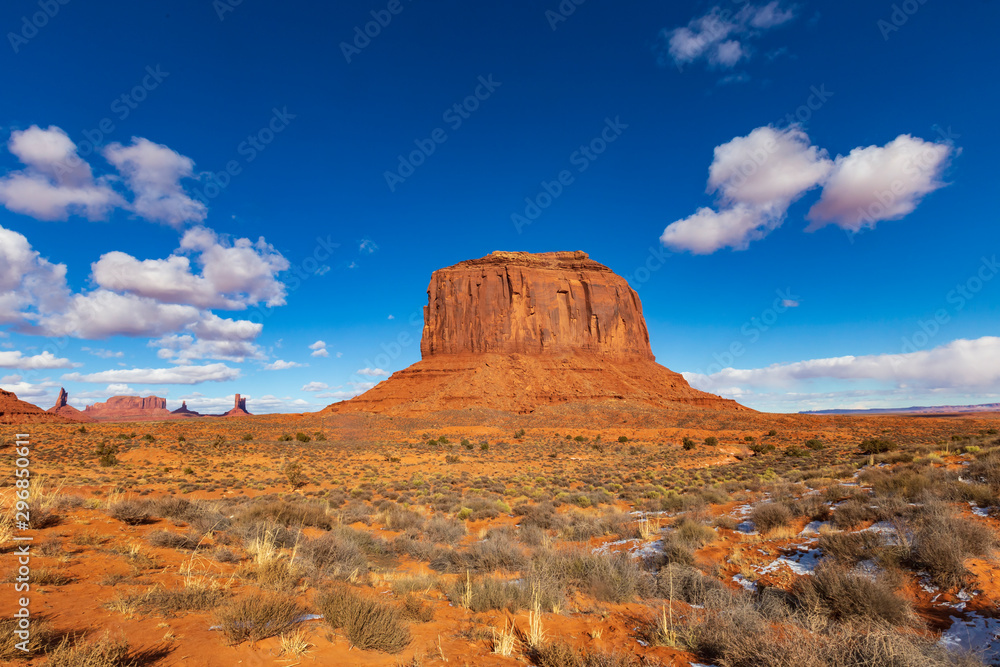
(300, 619)
(928, 587)
(745, 583)
(646, 550)
(977, 510)
(605, 548)
(812, 528)
(741, 510)
(884, 528)
(974, 633)
(867, 568)
(746, 527)
(799, 562)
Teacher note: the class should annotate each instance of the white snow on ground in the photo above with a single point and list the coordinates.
(813, 527)
(978, 511)
(746, 527)
(606, 548)
(741, 510)
(799, 562)
(974, 633)
(745, 583)
(646, 550)
(884, 528)
(867, 568)
(301, 619)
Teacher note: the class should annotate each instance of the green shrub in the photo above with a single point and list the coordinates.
(688, 444)
(107, 455)
(302, 437)
(814, 443)
(622, 438)
(876, 446)
(711, 441)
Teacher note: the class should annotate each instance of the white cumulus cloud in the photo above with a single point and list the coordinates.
(960, 364)
(176, 375)
(281, 365)
(153, 172)
(722, 37)
(880, 183)
(233, 275)
(373, 372)
(756, 179)
(55, 182)
(28, 282)
(46, 359)
(315, 386)
(183, 349)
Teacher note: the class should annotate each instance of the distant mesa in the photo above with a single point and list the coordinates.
(914, 410)
(129, 408)
(515, 331)
(151, 408)
(64, 409)
(240, 409)
(16, 411)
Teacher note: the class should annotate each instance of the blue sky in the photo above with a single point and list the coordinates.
(194, 196)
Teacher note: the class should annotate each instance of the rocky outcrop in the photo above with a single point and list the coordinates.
(545, 304)
(516, 331)
(63, 408)
(240, 409)
(129, 408)
(15, 411)
(183, 411)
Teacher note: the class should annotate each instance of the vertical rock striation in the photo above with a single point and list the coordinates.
(545, 304)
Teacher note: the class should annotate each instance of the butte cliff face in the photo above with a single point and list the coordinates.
(239, 409)
(516, 331)
(547, 304)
